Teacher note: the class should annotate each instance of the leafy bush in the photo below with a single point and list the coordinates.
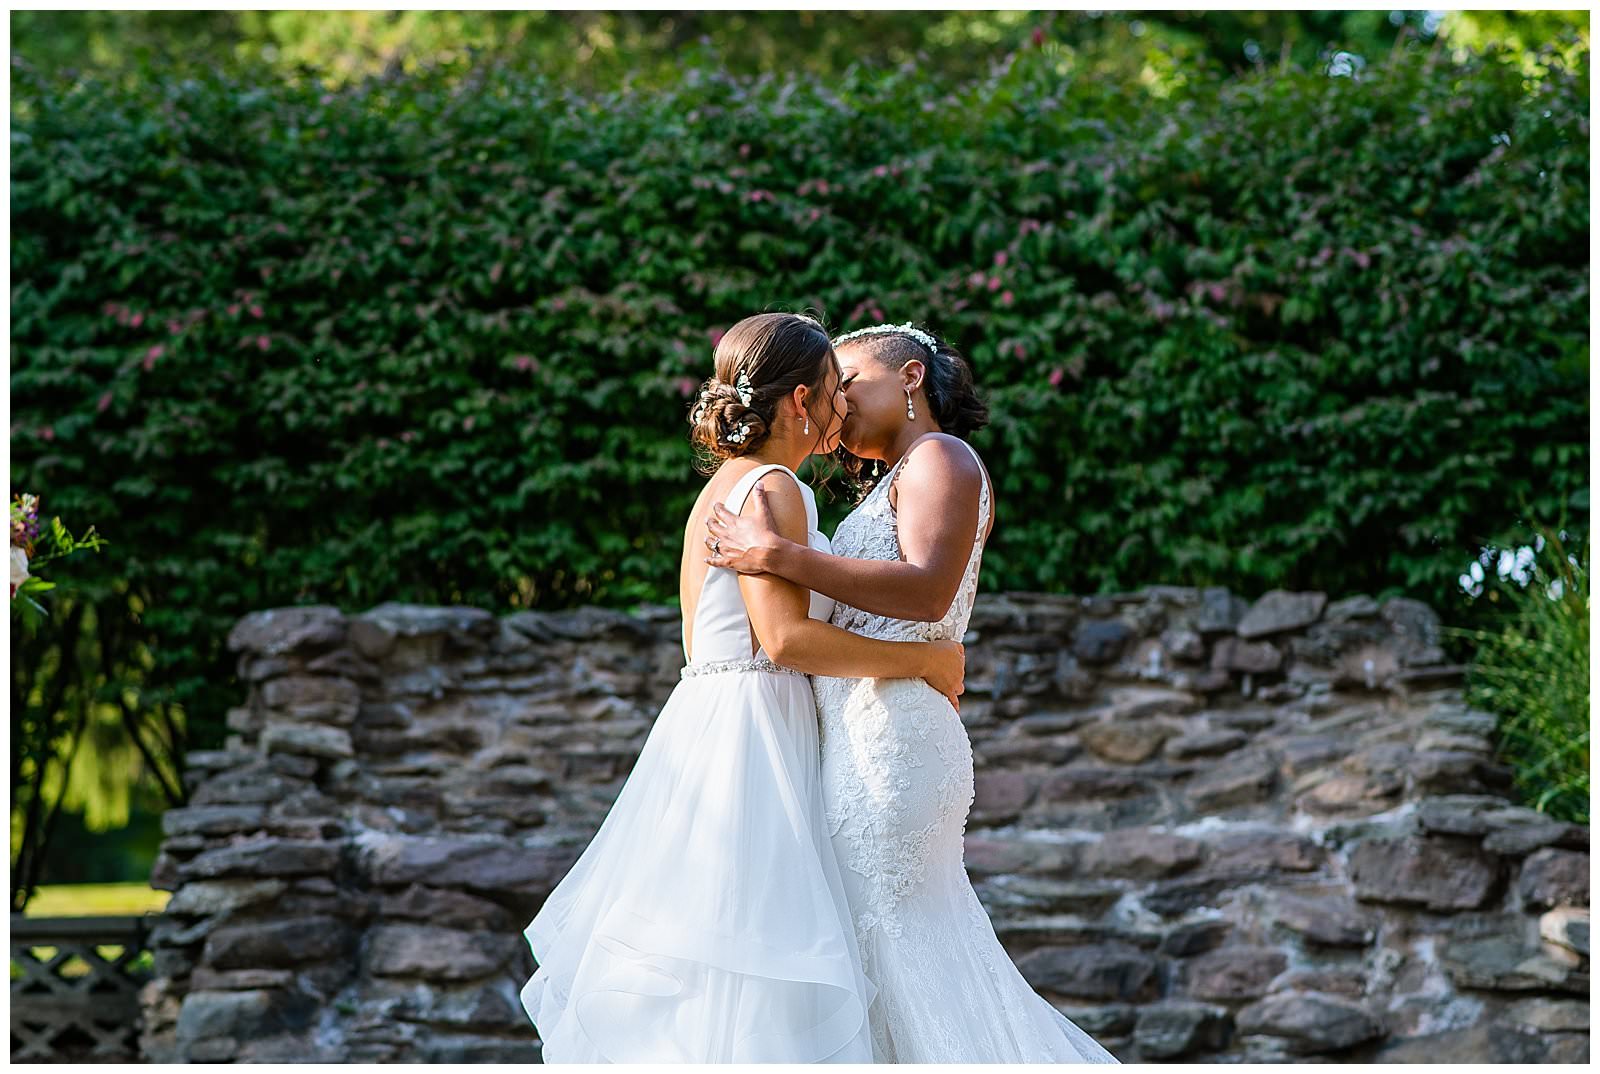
(433, 338)
(1532, 670)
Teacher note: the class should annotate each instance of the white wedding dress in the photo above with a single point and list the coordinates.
(897, 780)
(706, 922)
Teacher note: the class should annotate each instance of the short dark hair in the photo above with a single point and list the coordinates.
(949, 385)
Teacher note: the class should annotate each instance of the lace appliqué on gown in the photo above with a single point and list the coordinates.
(897, 786)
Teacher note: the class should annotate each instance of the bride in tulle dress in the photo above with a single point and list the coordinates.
(896, 762)
(707, 921)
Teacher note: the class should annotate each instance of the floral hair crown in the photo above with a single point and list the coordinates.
(907, 329)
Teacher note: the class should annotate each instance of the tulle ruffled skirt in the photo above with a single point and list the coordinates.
(706, 921)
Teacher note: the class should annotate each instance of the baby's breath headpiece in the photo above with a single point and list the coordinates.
(741, 385)
(907, 329)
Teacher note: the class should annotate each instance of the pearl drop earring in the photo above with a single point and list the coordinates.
(808, 425)
(911, 414)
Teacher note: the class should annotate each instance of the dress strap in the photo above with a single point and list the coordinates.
(984, 492)
(735, 500)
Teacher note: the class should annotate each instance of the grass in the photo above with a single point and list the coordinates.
(1533, 674)
(95, 900)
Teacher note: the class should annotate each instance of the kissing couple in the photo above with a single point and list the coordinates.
(780, 878)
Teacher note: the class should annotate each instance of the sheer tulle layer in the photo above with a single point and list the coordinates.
(706, 921)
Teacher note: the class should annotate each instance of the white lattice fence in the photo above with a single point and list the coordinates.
(75, 987)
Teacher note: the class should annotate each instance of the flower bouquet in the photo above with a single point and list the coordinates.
(32, 544)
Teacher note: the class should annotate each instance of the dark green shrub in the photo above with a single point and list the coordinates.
(433, 339)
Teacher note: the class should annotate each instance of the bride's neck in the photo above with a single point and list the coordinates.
(908, 435)
(782, 452)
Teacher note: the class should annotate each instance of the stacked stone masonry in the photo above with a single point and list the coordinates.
(1206, 828)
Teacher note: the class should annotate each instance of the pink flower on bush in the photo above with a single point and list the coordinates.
(877, 314)
(1006, 298)
(814, 215)
(257, 312)
(407, 436)
(685, 386)
(975, 280)
(716, 335)
(994, 283)
(233, 310)
(468, 423)
(151, 355)
(137, 320)
(1056, 376)
(105, 402)
(263, 343)
(881, 170)
(523, 362)
(1000, 259)
(47, 433)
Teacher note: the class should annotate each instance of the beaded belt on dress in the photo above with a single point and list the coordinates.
(717, 667)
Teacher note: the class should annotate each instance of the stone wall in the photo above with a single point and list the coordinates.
(1206, 828)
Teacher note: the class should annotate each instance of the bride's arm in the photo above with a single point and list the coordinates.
(937, 514)
(779, 614)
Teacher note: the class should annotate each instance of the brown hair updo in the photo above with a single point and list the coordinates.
(776, 352)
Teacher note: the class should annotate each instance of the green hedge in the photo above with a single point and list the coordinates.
(432, 338)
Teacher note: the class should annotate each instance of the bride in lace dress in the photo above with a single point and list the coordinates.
(896, 761)
(706, 921)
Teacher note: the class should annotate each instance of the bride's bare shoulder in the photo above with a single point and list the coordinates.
(942, 460)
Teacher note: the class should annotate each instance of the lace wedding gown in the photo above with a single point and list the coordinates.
(706, 921)
(897, 780)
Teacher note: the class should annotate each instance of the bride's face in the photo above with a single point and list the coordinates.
(876, 401)
(829, 410)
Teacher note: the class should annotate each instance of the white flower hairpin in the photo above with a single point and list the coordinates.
(741, 384)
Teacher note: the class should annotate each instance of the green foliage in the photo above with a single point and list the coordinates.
(1532, 670)
(607, 49)
(433, 338)
(40, 545)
